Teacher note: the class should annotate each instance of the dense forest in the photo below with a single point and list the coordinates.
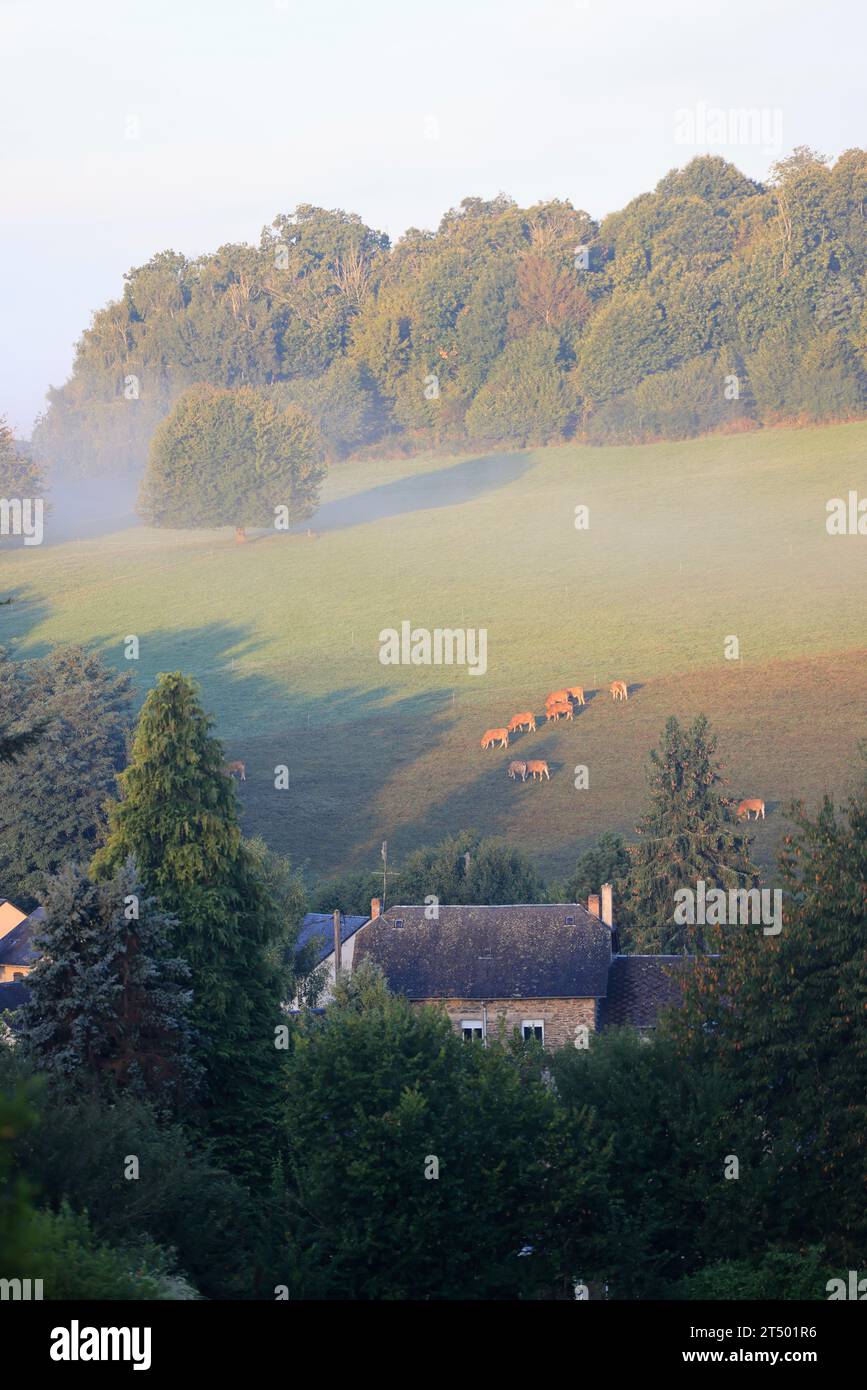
(714, 302)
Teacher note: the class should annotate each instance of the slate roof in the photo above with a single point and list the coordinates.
(16, 947)
(638, 987)
(523, 951)
(321, 924)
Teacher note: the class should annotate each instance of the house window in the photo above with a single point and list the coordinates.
(570, 921)
(18, 975)
(533, 1028)
(472, 1029)
(399, 922)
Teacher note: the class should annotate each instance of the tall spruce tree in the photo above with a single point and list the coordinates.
(784, 1020)
(74, 714)
(108, 1003)
(177, 817)
(688, 834)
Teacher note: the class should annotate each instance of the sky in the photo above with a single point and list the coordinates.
(127, 128)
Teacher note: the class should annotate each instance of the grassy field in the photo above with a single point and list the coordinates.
(688, 544)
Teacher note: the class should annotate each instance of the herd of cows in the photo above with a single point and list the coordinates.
(560, 704)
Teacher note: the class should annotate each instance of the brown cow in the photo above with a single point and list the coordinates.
(518, 721)
(557, 697)
(619, 690)
(517, 769)
(752, 803)
(231, 768)
(492, 736)
(536, 765)
(577, 693)
(564, 710)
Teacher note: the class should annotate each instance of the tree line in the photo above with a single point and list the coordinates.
(713, 302)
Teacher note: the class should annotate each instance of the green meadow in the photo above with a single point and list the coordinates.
(688, 545)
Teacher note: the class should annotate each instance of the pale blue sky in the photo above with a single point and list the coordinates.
(126, 128)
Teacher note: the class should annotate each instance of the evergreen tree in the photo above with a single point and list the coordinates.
(107, 1001)
(14, 745)
(177, 817)
(783, 1019)
(17, 1214)
(606, 862)
(688, 834)
(75, 710)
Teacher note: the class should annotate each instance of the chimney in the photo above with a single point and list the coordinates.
(593, 904)
(336, 942)
(375, 905)
(608, 904)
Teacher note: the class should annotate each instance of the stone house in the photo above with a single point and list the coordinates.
(553, 971)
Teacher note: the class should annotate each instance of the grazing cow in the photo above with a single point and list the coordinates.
(619, 690)
(536, 765)
(557, 697)
(564, 709)
(519, 721)
(517, 770)
(231, 768)
(577, 693)
(492, 736)
(752, 803)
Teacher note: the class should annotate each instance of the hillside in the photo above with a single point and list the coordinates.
(688, 544)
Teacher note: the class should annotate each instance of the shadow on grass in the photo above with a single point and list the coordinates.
(441, 487)
(339, 748)
(18, 619)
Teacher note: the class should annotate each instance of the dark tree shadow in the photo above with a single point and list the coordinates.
(442, 487)
(18, 619)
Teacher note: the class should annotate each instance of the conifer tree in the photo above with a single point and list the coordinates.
(607, 862)
(783, 1019)
(74, 712)
(688, 834)
(177, 818)
(107, 1000)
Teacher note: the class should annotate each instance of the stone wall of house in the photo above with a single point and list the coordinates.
(560, 1017)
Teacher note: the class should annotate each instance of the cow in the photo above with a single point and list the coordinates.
(231, 768)
(557, 697)
(753, 803)
(517, 769)
(619, 690)
(493, 736)
(563, 710)
(577, 694)
(536, 765)
(518, 721)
